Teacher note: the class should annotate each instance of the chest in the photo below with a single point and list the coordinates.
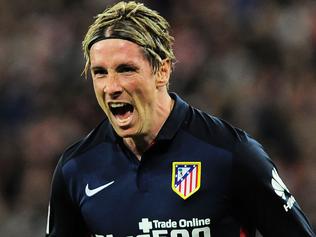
(182, 190)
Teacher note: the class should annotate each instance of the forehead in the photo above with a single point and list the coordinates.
(116, 51)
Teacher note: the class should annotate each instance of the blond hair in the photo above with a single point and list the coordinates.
(134, 22)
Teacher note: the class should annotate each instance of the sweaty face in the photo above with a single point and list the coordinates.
(124, 85)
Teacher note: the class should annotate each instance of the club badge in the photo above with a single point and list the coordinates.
(186, 178)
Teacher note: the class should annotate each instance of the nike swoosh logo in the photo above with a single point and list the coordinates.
(91, 192)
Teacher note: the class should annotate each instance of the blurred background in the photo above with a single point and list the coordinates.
(250, 62)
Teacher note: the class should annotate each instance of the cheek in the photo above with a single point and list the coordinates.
(97, 85)
(98, 89)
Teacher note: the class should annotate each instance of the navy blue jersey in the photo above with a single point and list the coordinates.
(200, 177)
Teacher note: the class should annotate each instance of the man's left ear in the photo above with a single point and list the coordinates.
(163, 73)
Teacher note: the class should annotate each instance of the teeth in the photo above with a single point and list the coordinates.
(117, 105)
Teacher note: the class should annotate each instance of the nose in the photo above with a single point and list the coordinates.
(113, 87)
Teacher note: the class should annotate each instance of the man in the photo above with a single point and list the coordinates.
(156, 166)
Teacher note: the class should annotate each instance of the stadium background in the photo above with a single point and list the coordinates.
(251, 62)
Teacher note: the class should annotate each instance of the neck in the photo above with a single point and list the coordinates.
(139, 144)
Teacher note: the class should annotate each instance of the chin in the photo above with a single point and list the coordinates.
(125, 133)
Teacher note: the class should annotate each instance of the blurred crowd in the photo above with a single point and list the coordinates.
(250, 62)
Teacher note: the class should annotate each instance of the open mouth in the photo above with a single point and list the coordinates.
(121, 110)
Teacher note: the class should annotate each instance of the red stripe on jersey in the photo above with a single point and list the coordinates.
(191, 178)
(196, 177)
(185, 187)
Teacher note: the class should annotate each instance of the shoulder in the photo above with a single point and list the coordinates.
(247, 152)
(214, 130)
(99, 134)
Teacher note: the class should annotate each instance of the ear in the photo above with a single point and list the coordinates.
(163, 73)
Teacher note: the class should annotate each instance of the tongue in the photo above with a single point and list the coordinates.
(124, 115)
(123, 112)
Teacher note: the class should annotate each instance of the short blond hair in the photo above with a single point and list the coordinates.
(134, 22)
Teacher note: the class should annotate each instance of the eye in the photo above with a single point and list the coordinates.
(98, 72)
(126, 68)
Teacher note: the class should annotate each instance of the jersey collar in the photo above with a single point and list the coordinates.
(175, 119)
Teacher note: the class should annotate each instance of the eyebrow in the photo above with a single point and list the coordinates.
(128, 64)
(96, 68)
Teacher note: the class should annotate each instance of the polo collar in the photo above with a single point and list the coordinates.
(175, 119)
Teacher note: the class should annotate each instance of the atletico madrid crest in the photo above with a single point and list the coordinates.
(186, 178)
